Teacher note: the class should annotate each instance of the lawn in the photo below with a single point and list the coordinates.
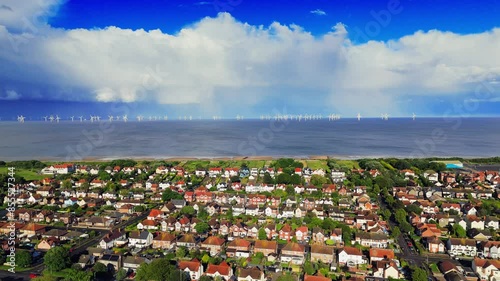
(316, 164)
(434, 268)
(28, 175)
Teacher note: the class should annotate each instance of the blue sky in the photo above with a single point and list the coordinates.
(228, 57)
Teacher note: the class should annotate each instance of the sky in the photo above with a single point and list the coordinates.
(252, 58)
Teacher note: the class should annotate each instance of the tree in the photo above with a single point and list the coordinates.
(121, 275)
(405, 227)
(318, 180)
(159, 270)
(66, 184)
(23, 259)
(206, 278)
(99, 267)
(412, 208)
(57, 259)
(395, 232)
(309, 268)
(459, 231)
(188, 210)
(169, 194)
(180, 252)
(78, 275)
(267, 179)
(202, 227)
(262, 234)
(400, 215)
(202, 213)
(418, 274)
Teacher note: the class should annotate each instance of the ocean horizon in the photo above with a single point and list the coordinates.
(346, 138)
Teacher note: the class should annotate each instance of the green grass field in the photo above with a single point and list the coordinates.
(316, 164)
(26, 174)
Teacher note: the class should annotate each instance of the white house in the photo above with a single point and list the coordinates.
(140, 239)
(350, 256)
(461, 246)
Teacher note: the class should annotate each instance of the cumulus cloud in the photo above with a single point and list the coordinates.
(219, 61)
(10, 95)
(318, 12)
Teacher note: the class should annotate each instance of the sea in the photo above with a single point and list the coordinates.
(344, 139)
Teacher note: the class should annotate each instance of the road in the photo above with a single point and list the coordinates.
(81, 248)
(411, 255)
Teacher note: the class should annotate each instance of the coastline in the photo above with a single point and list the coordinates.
(245, 158)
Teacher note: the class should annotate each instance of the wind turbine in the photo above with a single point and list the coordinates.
(81, 118)
(359, 116)
(20, 119)
(139, 118)
(51, 118)
(98, 118)
(72, 118)
(414, 116)
(110, 118)
(165, 117)
(57, 118)
(117, 118)
(385, 116)
(125, 118)
(45, 118)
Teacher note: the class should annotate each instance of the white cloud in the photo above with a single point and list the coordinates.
(318, 12)
(218, 61)
(10, 95)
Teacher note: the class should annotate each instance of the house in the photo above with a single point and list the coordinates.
(302, 233)
(265, 247)
(371, 239)
(112, 239)
(294, 253)
(285, 232)
(461, 246)
(490, 249)
(377, 254)
(239, 248)
(250, 274)
(315, 278)
(486, 269)
(164, 240)
(435, 245)
(131, 263)
(192, 268)
(386, 269)
(187, 241)
(111, 260)
(86, 260)
(47, 244)
(350, 256)
(213, 244)
(322, 253)
(140, 239)
(223, 270)
(32, 229)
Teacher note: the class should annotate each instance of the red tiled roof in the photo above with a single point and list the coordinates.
(222, 269)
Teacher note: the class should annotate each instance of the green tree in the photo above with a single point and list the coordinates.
(202, 227)
(405, 227)
(412, 208)
(262, 235)
(395, 232)
(66, 184)
(318, 180)
(188, 210)
(418, 274)
(180, 252)
(99, 267)
(23, 259)
(309, 268)
(267, 179)
(459, 231)
(400, 215)
(202, 213)
(121, 275)
(78, 275)
(159, 270)
(169, 194)
(206, 278)
(57, 259)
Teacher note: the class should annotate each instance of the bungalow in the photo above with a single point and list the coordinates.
(377, 254)
(250, 274)
(131, 263)
(111, 260)
(350, 256)
(322, 253)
